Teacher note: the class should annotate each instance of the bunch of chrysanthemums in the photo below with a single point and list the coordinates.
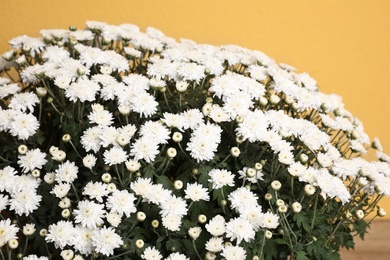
(122, 144)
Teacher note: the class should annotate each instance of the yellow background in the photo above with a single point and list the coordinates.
(343, 44)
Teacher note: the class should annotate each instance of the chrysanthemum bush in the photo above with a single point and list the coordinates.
(122, 144)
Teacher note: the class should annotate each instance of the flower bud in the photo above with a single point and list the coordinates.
(155, 223)
(65, 213)
(124, 110)
(289, 100)
(207, 108)
(359, 214)
(276, 185)
(49, 178)
(255, 257)
(202, 219)
(177, 137)
(43, 232)
(171, 152)
(282, 209)
(181, 86)
(22, 149)
(210, 256)
(239, 119)
(89, 161)
(268, 196)
(106, 177)
(36, 173)
(41, 92)
(64, 203)
(195, 171)
(53, 149)
(209, 100)
(235, 151)
(268, 234)
(296, 207)
(274, 99)
(141, 216)
(263, 101)
(223, 202)
(139, 243)
(250, 172)
(29, 229)
(309, 189)
(178, 184)
(258, 166)
(13, 243)
(239, 139)
(194, 232)
(66, 138)
(111, 187)
(303, 158)
(279, 202)
(132, 165)
(67, 254)
(381, 212)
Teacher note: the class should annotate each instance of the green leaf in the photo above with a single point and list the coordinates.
(301, 255)
(302, 221)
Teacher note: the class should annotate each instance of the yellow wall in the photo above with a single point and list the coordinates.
(343, 44)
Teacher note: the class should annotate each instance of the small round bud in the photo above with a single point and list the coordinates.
(263, 101)
(66, 138)
(111, 187)
(59, 156)
(239, 119)
(178, 184)
(303, 158)
(19, 256)
(181, 86)
(65, 213)
(13, 243)
(281, 231)
(250, 172)
(139, 243)
(53, 149)
(132, 165)
(138, 174)
(359, 214)
(235, 151)
(295, 106)
(141, 216)
(202, 219)
(22, 149)
(29, 229)
(36, 173)
(72, 28)
(274, 99)
(124, 110)
(239, 139)
(279, 202)
(41, 92)
(155, 223)
(276, 185)
(363, 181)
(49, 178)
(268, 196)
(223, 202)
(309, 189)
(268, 234)
(106, 177)
(177, 137)
(381, 212)
(89, 161)
(348, 215)
(289, 100)
(195, 171)
(123, 139)
(296, 207)
(65, 203)
(209, 100)
(207, 108)
(282, 209)
(258, 166)
(107, 70)
(171, 152)
(210, 256)
(194, 232)
(67, 254)
(43, 232)
(255, 257)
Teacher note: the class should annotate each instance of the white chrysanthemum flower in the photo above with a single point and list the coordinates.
(144, 104)
(61, 234)
(270, 221)
(216, 226)
(151, 253)
(33, 159)
(82, 241)
(174, 206)
(105, 240)
(24, 101)
(89, 161)
(35, 257)
(157, 194)
(332, 186)
(101, 118)
(240, 229)
(173, 120)
(155, 131)
(96, 190)
(218, 114)
(324, 160)
(61, 190)
(214, 244)
(296, 169)
(83, 90)
(114, 219)
(193, 118)
(24, 201)
(357, 146)
(4, 201)
(121, 202)
(89, 214)
(234, 253)
(23, 125)
(250, 174)
(141, 186)
(8, 89)
(221, 178)
(8, 231)
(196, 192)
(144, 149)
(90, 140)
(241, 194)
(177, 256)
(66, 172)
(171, 222)
(115, 156)
(286, 157)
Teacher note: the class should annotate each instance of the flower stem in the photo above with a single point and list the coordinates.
(196, 250)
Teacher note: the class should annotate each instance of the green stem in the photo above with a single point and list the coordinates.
(75, 192)
(196, 250)
(119, 175)
(262, 246)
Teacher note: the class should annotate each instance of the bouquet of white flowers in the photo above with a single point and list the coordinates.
(120, 144)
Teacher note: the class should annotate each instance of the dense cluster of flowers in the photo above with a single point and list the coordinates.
(122, 144)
